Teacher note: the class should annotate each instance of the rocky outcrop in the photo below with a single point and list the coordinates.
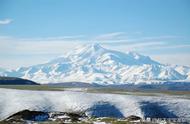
(27, 115)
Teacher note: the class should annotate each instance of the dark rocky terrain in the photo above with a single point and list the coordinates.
(16, 81)
(39, 117)
(30, 117)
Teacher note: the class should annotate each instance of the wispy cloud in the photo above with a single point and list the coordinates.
(62, 44)
(181, 59)
(57, 38)
(181, 46)
(124, 39)
(110, 36)
(38, 46)
(5, 21)
(135, 46)
(17, 52)
(48, 47)
(146, 43)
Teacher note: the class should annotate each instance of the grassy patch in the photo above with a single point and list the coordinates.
(108, 120)
(99, 90)
(137, 92)
(33, 87)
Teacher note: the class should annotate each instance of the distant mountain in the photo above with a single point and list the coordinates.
(15, 81)
(97, 65)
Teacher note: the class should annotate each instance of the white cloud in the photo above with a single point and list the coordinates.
(36, 46)
(46, 47)
(5, 21)
(18, 51)
(158, 38)
(179, 59)
(67, 38)
(110, 36)
(136, 46)
(15, 52)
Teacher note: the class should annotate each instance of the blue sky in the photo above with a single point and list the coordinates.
(30, 28)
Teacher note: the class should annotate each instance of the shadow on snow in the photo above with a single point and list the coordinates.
(104, 109)
(156, 110)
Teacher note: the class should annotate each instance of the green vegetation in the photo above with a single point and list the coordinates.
(108, 120)
(99, 90)
(136, 92)
(33, 87)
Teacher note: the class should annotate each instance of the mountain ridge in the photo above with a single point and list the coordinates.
(95, 64)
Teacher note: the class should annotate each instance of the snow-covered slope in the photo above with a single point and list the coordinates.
(161, 106)
(95, 64)
(184, 70)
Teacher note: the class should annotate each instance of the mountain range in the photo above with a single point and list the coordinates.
(96, 64)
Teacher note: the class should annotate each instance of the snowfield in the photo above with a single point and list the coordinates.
(12, 101)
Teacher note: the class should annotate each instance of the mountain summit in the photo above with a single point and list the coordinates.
(95, 53)
(95, 64)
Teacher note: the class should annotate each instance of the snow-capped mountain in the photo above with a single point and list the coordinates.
(95, 64)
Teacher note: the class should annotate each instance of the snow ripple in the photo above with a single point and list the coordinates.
(12, 101)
